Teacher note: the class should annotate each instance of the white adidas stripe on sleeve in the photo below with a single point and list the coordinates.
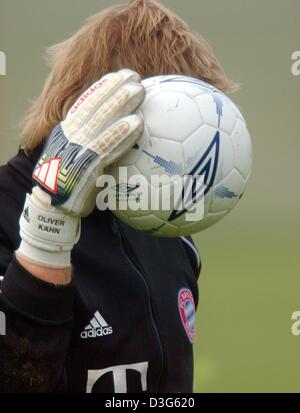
(194, 249)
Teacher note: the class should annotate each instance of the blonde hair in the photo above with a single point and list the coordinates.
(141, 35)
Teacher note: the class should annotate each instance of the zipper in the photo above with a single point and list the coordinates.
(153, 321)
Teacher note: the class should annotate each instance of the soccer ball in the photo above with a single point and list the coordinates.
(191, 129)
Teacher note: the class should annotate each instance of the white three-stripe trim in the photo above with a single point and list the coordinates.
(47, 173)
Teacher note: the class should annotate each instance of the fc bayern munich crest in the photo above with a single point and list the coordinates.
(187, 312)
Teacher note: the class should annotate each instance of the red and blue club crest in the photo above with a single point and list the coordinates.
(187, 312)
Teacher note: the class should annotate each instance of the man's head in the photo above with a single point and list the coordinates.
(141, 35)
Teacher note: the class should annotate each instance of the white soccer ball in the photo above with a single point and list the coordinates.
(191, 129)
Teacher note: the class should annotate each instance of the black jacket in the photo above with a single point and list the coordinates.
(125, 324)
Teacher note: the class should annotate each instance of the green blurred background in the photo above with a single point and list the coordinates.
(250, 283)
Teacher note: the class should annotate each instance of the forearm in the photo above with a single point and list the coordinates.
(56, 276)
(38, 318)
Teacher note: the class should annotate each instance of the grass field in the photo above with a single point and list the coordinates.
(249, 288)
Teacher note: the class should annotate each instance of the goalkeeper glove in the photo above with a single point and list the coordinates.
(98, 130)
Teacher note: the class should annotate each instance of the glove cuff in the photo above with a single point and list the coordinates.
(57, 260)
(48, 235)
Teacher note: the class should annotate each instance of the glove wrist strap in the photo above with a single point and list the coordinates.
(48, 235)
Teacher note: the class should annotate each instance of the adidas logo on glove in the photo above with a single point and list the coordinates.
(97, 327)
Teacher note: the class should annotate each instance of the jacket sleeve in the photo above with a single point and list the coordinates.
(35, 316)
(193, 254)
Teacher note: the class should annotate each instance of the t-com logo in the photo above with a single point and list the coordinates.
(2, 324)
(120, 377)
(2, 64)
